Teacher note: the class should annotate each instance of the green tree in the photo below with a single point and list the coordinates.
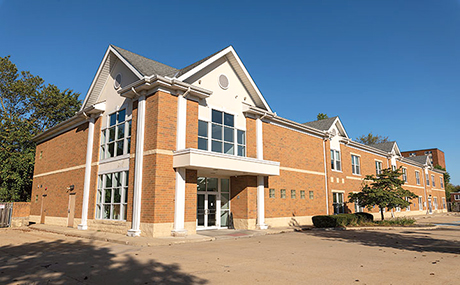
(372, 139)
(384, 191)
(27, 107)
(321, 116)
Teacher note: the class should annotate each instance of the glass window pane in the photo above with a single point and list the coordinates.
(121, 131)
(228, 148)
(216, 146)
(224, 219)
(116, 195)
(128, 148)
(108, 196)
(212, 184)
(98, 211)
(201, 184)
(129, 128)
(241, 137)
(228, 120)
(106, 212)
(203, 129)
(216, 132)
(108, 180)
(337, 155)
(125, 183)
(202, 144)
(224, 185)
(121, 115)
(217, 117)
(112, 134)
(112, 120)
(123, 217)
(102, 152)
(99, 195)
(111, 150)
(116, 212)
(224, 201)
(103, 137)
(241, 150)
(120, 146)
(99, 181)
(228, 134)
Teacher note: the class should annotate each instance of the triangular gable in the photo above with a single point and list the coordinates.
(340, 127)
(240, 69)
(109, 59)
(396, 149)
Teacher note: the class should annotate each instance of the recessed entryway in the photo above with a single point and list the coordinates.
(213, 203)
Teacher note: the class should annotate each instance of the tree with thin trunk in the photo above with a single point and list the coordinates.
(384, 190)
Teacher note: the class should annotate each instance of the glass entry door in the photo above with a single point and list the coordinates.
(213, 202)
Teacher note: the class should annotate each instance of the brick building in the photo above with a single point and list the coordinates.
(436, 155)
(157, 151)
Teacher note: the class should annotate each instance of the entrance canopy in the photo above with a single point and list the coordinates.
(211, 163)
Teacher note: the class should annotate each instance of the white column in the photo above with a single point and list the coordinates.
(179, 205)
(261, 204)
(259, 139)
(260, 179)
(86, 184)
(137, 195)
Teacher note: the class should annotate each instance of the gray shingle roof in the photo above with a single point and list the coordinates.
(195, 64)
(420, 158)
(386, 146)
(324, 124)
(145, 66)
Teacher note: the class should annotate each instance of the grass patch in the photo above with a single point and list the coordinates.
(359, 220)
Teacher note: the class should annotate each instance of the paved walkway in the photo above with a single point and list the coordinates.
(201, 236)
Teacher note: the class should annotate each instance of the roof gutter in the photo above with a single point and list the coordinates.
(151, 82)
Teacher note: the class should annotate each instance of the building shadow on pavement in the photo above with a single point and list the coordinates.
(64, 262)
(412, 240)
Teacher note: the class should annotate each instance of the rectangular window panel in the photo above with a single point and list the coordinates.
(120, 131)
(111, 203)
(120, 147)
(203, 129)
(112, 134)
(217, 117)
(113, 119)
(216, 146)
(202, 144)
(228, 134)
(228, 119)
(228, 148)
(241, 137)
(302, 194)
(216, 132)
(272, 193)
(293, 195)
(283, 193)
(311, 195)
(241, 150)
(129, 128)
(121, 116)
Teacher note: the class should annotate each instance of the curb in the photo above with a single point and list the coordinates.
(376, 228)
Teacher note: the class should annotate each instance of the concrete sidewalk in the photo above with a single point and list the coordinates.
(201, 236)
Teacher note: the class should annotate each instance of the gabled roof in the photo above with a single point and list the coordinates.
(327, 124)
(423, 159)
(324, 124)
(146, 66)
(195, 64)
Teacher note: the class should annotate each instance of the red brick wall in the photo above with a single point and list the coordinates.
(21, 209)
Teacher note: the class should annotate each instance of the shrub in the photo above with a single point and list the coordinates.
(364, 217)
(323, 221)
(331, 221)
(402, 221)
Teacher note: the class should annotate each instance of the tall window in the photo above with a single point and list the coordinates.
(116, 138)
(112, 198)
(441, 182)
(337, 203)
(293, 194)
(417, 177)
(408, 207)
(335, 160)
(404, 174)
(283, 193)
(378, 167)
(435, 202)
(432, 180)
(420, 203)
(222, 137)
(427, 180)
(355, 167)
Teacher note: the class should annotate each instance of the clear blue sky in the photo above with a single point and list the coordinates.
(390, 67)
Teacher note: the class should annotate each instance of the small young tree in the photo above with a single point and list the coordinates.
(384, 191)
(321, 116)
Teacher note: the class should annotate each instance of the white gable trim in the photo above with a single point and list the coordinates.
(110, 49)
(232, 52)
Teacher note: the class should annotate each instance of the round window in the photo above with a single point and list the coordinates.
(117, 82)
(223, 81)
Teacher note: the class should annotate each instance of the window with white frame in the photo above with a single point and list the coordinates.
(456, 197)
(378, 167)
(358, 207)
(337, 203)
(435, 202)
(221, 136)
(271, 193)
(283, 193)
(441, 182)
(335, 160)
(420, 203)
(116, 137)
(112, 196)
(302, 194)
(432, 180)
(404, 174)
(355, 165)
(293, 195)
(417, 177)
(443, 202)
(427, 180)
(408, 207)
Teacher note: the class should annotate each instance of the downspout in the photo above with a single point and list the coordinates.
(424, 187)
(325, 176)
